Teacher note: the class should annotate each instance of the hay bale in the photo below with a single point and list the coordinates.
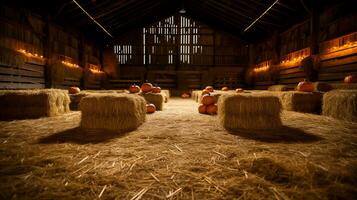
(116, 112)
(278, 88)
(340, 104)
(166, 94)
(308, 102)
(29, 104)
(322, 87)
(155, 98)
(344, 86)
(249, 111)
(76, 98)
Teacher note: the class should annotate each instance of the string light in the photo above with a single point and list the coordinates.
(95, 69)
(295, 57)
(69, 64)
(29, 54)
(262, 67)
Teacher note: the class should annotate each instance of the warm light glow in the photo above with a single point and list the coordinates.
(262, 67)
(340, 43)
(69, 64)
(95, 69)
(295, 57)
(29, 54)
(342, 47)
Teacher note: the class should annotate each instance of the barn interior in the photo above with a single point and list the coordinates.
(183, 99)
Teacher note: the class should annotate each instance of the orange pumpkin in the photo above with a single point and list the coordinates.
(225, 89)
(134, 89)
(239, 90)
(150, 108)
(209, 88)
(305, 86)
(351, 79)
(146, 87)
(156, 90)
(212, 109)
(208, 99)
(74, 90)
(185, 95)
(204, 91)
(202, 109)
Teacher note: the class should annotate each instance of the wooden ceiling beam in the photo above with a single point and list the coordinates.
(233, 14)
(130, 11)
(129, 17)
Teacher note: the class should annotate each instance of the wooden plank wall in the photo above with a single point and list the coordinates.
(46, 44)
(336, 58)
(180, 54)
(17, 69)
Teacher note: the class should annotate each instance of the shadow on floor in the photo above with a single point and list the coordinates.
(283, 135)
(81, 136)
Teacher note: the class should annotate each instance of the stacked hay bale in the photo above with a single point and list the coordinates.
(76, 98)
(309, 102)
(249, 111)
(340, 104)
(152, 95)
(27, 104)
(115, 112)
(155, 98)
(344, 86)
(278, 88)
(166, 94)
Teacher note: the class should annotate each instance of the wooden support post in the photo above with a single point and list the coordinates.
(314, 30)
(81, 59)
(47, 53)
(276, 58)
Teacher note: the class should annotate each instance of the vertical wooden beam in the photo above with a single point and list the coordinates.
(81, 59)
(314, 29)
(47, 53)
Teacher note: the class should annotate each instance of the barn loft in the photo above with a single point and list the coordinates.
(178, 99)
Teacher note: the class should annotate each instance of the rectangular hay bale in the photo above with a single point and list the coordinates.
(116, 112)
(308, 102)
(30, 104)
(249, 111)
(155, 98)
(340, 104)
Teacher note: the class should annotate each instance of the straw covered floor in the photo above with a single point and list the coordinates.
(179, 154)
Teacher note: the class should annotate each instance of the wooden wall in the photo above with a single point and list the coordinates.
(33, 48)
(292, 60)
(180, 53)
(17, 34)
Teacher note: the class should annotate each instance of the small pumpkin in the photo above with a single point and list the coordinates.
(239, 90)
(204, 91)
(212, 109)
(74, 90)
(134, 89)
(156, 90)
(150, 108)
(351, 79)
(225, 89)
(202, 109)
(209, 88)
(146, 87)
(208, 99)
(305, 86)
(185, 95)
